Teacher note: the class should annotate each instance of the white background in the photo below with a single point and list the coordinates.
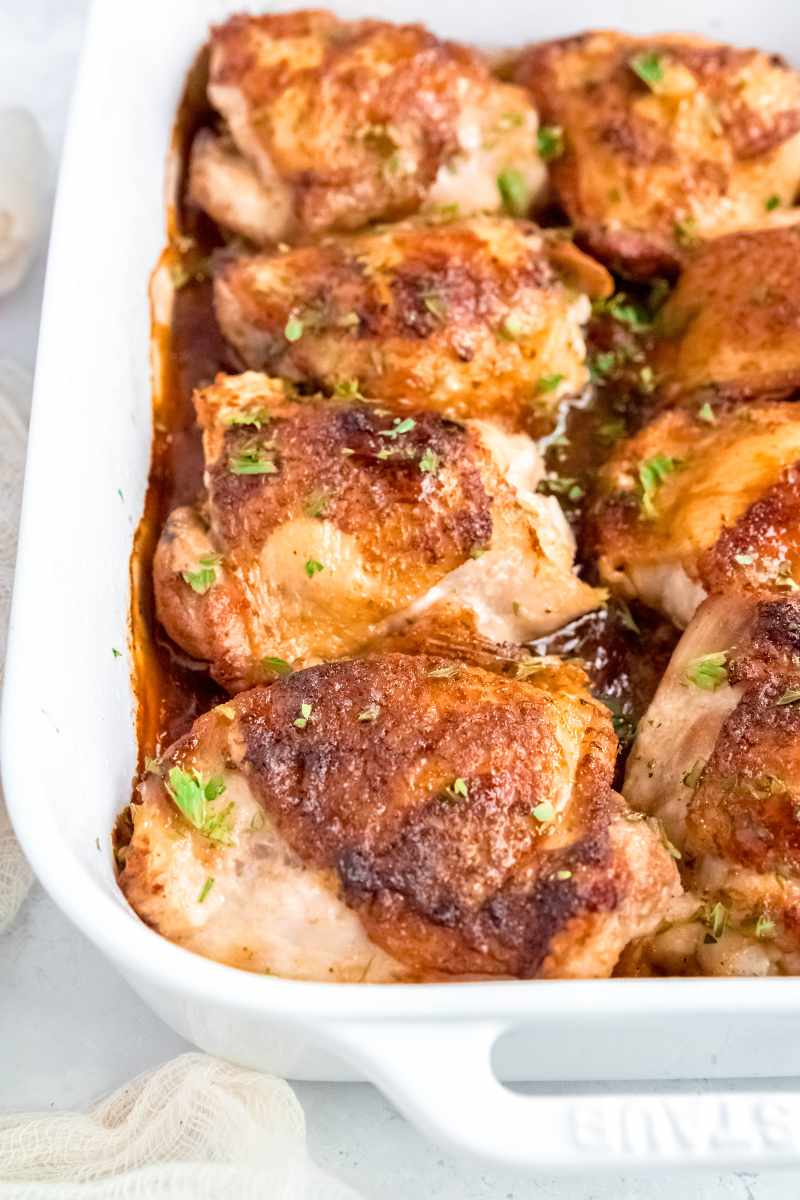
(70, 1029)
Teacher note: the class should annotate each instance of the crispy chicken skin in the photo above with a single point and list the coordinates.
(399, 818)
(330, 523)
(717, 759)
(475, 317)
(346, 122)
(667, 139)
(732, 323)
(687, 507)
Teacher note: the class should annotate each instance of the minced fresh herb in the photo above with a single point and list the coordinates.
(613, 430)
(317, 504)
(435, 306)
(709, 672)
(305, 712)
(549, 383)
(562, 875)
(790, 696)
(194, 794)
(772, 202)
(716, 918)
(278, 665)
(511, 328)
(205, 889)
(514, 191)
(399, 427)
(247, 416)
(626, 618)
(550, 142)
(744, 560)
(543, 813)
(116, 653)
(691, 778)
(765, 927)
(251, 461)
(648, 66)
(293, 329)
(706, 413)
(652, 474)
(443, 672)
(458, 788)
(430, 462)
(313, 567)
(625, 311)
(601, 365)
(348, 389)
(205, 575)
(370, 713)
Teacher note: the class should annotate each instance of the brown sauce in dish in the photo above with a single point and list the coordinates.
(624, 653)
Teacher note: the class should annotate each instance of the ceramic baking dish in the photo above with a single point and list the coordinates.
(68, 745)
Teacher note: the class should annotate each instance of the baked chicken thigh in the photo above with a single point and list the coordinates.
(666, 140)
(331, 524)
(397, 818)
(717, 759)
(732, 323)
(475, 317)
(332, 124)
(701, 501)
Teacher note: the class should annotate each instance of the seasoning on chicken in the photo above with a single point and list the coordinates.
(716, 759)
(701, 501)
(475, 317)
(665, 140)
(332, 124)
(397, 818)
(329, 523)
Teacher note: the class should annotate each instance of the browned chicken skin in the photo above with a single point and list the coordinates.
(732, 323)
(398, 818)
(717, 759)
(330, 524)
(333, 124)
(700, 501)
(476, 317)
(667, 139)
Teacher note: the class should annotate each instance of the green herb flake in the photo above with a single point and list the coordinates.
(550, 142)
(772, 202)
(205, 889)
(790, 696)
(612, 431)
(691, 778)
(313, 567)
(305, 712)
(370, 713)
(562, 875)
(348, 389)
(443, 672)
(514, 192)
(116, 653)
(430, 462)
(652, 474)
(511, 328)
(716, 918)
(624, 311)
(398, 428)
(205, 575)
(709, 672)
(648, 66)
(549, 383)
(744, 560)
(278, 666)
(765, 927)
(293, 329)
(459, 788)
(601, 365)
(251, 461)
(626, 618)
(194, 794)
(544, 813)
(706, 413)
(247, 416)
(435, 306)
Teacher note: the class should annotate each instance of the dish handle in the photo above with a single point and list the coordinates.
(441, 1078)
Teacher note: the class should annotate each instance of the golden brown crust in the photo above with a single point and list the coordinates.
(451, 877)
(651, 166)
(364, 120)
(732, 323)
(472, 317)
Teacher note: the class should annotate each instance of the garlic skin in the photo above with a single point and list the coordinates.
(23, 194)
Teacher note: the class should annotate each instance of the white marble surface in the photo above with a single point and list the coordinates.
(70, 1028)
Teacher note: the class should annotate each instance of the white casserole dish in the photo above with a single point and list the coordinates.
(68, 733)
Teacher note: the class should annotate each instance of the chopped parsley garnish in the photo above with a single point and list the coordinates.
(205, 575)
(247, 416)
(601, 365)
(511, 328)
(279, 666)
(435, 305)
(613, 430)
(550, 142)
(305, 712)
(251, 461)
(625, 311)
(194, 794)
(706, 413)
(430, 462)
(716, 918)
(790, 696)
(652, 474)
(648, 66)
(626, 618)
(293, 329)
(370, 713)
(549, 383)
(205, 889)
(543, 813)
(443, 672)
(562, 875)
(117, 653)
(348, 389)
(691, 778)
(560, 485)
(459, 788)
(514, 191)
(399, 427)
(772, 202)
(317, 504)
(765, 927)
(313, 567)
(709, 672)
(744, 560)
